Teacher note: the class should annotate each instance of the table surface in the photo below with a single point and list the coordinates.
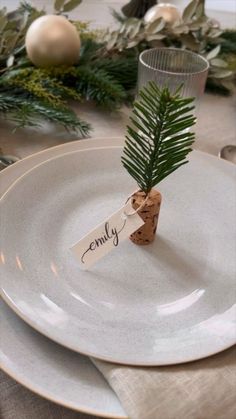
(215, 128)
(222, 10)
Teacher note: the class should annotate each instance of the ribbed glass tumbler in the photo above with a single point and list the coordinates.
(172, 67)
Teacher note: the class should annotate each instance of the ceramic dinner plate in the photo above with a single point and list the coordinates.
(21, 346)
(53, 371)
(169, 302)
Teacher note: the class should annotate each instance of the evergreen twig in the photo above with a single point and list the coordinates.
(159, 139)
(98, 85)
(24, 110)
(122, 69)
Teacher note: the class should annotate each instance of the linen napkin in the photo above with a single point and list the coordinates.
(202, 389)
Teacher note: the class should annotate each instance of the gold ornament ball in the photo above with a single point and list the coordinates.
(167, 11)
(52, 41)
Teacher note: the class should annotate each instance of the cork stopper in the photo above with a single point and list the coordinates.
(149, 213)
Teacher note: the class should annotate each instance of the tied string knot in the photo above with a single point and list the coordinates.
(131, 197)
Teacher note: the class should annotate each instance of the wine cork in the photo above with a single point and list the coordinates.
(149, 213)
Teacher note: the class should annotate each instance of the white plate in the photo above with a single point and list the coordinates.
(154, 305)
(21, 347)
(52, 371)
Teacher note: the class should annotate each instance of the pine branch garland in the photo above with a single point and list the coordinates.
(122, 69)
(228, 41)
(98, 85)
(42, 84)
(159, 140)
(107, 69)
(25, 110)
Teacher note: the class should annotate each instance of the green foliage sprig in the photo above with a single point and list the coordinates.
(27, 91)
(159, 139)
(25, 110)
(194, 31)
(107, 69)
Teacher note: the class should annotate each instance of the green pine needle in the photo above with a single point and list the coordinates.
(123, 69)
(98, 85)
(159, 139)
(26, 110)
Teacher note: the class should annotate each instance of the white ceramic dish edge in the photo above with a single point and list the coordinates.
(13, 173)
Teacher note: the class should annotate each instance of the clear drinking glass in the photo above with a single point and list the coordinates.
(171, 67)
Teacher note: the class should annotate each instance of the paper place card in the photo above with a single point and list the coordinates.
(107, 236)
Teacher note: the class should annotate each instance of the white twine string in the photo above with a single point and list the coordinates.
(138, 209)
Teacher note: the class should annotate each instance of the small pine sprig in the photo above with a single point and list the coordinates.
(159, 139)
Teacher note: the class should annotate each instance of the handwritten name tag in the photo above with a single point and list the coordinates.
(106, 236)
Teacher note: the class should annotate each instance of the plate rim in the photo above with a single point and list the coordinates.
(20, 378)
(60, 341)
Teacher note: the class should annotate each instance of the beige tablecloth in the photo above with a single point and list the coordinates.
(215, 128)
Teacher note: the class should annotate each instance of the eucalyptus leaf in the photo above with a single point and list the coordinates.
(156, 26)
(203, 19)
(72, 4)
(213, 53)
(11, 25)
(228, 84)
(14, 15)
(3, 11)
(17, 20)
(131, 26)
(22, 24)
(120, 44)
(199, 10)
(11, 42)
(190, 10)
(195, 26)
(8, 34)
(204, 29)
(202, 46)
(10, 60)
(214, 33)
(178, 30)
(122, 28)
(3, 23)
(222, 74)
(155, 37)
(58, 4)
(218, 62)
(131, 21)
(132, 44)
(136, 28)
(112, 40)
(190, 42)
(20, 48)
